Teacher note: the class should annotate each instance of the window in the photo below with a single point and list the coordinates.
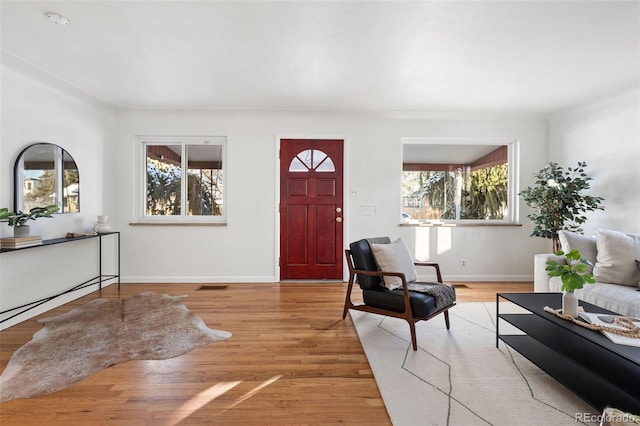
(458, 180)
(312, 160)
(183, 179)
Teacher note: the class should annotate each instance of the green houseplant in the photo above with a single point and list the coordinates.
(573, 275)
(558, 201)
(19, 219)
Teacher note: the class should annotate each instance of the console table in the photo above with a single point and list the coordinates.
(98, 279)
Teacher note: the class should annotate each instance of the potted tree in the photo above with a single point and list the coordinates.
(19, 219)
(558, 201)
(573, 275)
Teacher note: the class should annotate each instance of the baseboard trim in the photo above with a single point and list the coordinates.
(270, 279)
(53, 303)
(481, 278)
(200, 279)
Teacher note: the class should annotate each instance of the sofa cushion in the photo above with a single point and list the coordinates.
(394, 257)
(615, 261)
(585, 244)
(617, 298)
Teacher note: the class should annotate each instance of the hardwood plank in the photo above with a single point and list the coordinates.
(486, 291)
(291, 360)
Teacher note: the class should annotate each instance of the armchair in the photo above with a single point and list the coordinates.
(403, 302)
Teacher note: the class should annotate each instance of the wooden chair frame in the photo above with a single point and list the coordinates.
(407, 315)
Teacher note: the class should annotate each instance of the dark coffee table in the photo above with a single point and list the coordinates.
(601, 372)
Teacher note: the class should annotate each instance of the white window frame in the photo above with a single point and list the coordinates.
(183, 218)
(513, 161)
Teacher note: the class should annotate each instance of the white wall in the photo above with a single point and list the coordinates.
(33, 110)
(605, 134)
(102, 141)
(247, 249)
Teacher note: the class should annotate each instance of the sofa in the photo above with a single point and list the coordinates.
(615, 259)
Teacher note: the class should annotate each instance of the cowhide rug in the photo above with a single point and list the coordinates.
(99, 334)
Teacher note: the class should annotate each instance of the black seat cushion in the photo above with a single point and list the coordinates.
(422, 305)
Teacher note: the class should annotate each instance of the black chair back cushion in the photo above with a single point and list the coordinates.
(363, 259)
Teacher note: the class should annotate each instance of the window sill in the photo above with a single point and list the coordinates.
(457, 224)
(176, 223)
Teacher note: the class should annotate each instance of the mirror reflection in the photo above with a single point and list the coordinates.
(46, 174)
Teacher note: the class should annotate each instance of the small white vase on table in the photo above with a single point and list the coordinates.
(573, 275)
(570, 304)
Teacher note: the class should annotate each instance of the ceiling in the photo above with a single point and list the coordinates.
(493, 56)
(445, 153)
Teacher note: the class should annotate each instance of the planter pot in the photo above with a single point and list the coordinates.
(570, 304)
(21, 231)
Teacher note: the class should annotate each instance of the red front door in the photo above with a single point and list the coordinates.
(311, 209)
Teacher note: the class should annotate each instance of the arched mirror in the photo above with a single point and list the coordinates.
(46, 174)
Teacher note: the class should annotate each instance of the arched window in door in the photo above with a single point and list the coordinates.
(311, 160)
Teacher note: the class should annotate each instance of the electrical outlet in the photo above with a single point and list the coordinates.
(463, 262)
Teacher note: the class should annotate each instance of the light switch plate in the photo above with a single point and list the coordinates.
(367, 210)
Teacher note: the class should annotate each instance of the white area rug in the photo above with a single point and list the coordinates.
(458, 377)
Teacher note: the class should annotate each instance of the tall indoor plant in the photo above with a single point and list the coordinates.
(558, 201)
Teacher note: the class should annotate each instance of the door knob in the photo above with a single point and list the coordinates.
(338, 219)
(338, 209)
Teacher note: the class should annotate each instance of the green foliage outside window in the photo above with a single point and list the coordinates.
(461, 194)
(164, 190)
(487, 195)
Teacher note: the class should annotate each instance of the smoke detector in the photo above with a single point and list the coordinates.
(57, 19)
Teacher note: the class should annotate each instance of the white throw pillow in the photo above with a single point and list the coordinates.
(394, 257)
(586, 245)
(617, 253)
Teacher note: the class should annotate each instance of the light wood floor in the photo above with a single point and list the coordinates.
(291, 360)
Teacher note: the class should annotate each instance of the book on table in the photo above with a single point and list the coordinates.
(597, 319)
(17, 242)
